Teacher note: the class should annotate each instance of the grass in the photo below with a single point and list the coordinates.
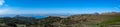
(114, 20)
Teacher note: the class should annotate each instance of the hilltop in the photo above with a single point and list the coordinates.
(91, 20)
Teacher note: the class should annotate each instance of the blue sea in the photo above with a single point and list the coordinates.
(40, 17)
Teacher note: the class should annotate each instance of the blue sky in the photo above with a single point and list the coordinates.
(58, 6)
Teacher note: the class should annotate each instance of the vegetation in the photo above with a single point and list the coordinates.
(82, 20)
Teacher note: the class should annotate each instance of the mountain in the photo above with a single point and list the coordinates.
(110, 13)
(111, 19)
(90, 20)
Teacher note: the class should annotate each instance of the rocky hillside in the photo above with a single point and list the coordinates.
(90, 20)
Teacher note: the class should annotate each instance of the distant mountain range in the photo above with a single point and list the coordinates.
(34, 15)
(45, 15)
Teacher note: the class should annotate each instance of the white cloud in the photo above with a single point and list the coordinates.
(2, 2)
